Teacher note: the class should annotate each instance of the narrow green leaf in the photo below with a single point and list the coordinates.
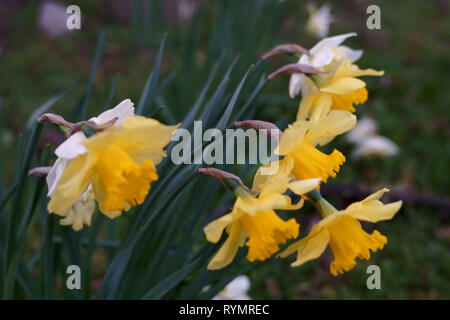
(158, 291)
(48, 256)
(47, 105)
(82, 108)
(232, 103)
(189, 118)
(148, 93)
(112, 91)
(21, 180)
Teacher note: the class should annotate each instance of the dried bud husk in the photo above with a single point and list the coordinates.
(74, 127)
(228, 179)
(270, 129)
(283, 49)
(293, 68)
(39, 171)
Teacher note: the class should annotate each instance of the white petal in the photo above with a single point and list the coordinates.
(330, 42)
(322, 58)
(122, 111)
(72, 147)
(55, 173)
(351, 54)
(295, 84)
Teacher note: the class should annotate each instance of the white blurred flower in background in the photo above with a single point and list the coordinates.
(235, 290)
(319, 20)
(366, 127)
(52, 18)
(375, 145)
(367, 142)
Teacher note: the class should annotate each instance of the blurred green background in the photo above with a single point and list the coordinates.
(410, 103)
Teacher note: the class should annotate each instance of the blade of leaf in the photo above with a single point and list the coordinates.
(148, 93)
(81, 110)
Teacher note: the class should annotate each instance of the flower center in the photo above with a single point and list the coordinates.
(123, 182)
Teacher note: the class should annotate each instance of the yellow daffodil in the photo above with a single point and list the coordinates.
(342, 231)
(298, 145)
(326, 56)
(119, 163)
(340, 90)
(81, 211)
(254, 218)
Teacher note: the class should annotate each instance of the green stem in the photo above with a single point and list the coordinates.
(321, 204)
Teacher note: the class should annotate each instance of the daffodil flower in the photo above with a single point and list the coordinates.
(80, 212)
(118, 163)
(253, 221)
(298, 144)
(325, 56)
(319, 20)
(339, 91)
(342, 231)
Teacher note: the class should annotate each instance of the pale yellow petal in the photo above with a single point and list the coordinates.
(305, 107)
(311, 248)
(214, 229)
(354, 71)
(228, 251)
(72, 183)
(377, 195)
(344, 86)
(349, 69)
(374, 210)
(146, 138)
(322, 106)
(271, 171)
(326, 129)
(276, 185)
(308, 248)
(251, 206)
(292, 137)
(142, 138)
(301, 187)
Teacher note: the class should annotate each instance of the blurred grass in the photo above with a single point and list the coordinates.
(410, 104)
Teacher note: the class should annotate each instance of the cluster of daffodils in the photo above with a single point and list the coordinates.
(107, 162)
(329, 82)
